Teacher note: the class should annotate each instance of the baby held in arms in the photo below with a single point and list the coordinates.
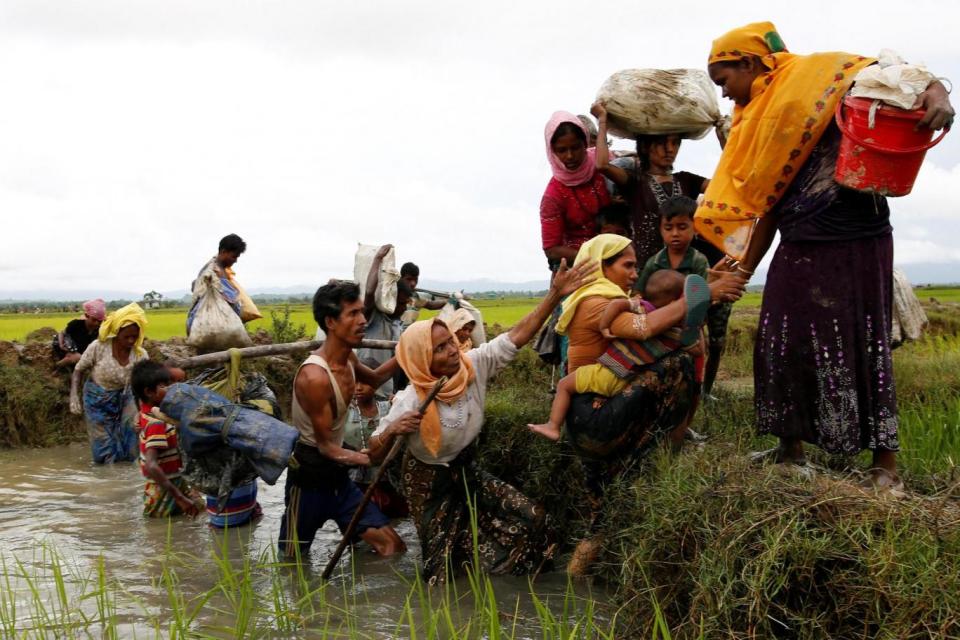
(624, 359)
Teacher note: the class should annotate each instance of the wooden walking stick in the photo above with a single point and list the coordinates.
(391, 454)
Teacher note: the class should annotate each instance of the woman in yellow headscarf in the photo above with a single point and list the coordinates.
(823, 372)
(107, 400)
(606, 432)
(439, 467)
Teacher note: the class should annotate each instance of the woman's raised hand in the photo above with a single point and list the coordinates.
(599, 111)
(569, 279)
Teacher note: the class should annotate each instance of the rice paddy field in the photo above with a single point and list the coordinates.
(697, 544)
(167, 323)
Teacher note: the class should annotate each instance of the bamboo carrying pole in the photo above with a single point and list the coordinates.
(391, 454)
(264, 350)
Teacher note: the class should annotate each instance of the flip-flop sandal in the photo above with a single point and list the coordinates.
(697, 294)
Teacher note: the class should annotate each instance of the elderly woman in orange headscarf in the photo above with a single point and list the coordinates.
(822, 367)
(439, 466)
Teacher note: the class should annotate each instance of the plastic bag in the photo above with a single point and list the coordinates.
(479, 334)
(216, 326)
(248, 308)
(909, 318)
(893, 81)
(386, 295)
(659, 102)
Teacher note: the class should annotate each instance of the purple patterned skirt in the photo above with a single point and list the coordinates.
(822, 366)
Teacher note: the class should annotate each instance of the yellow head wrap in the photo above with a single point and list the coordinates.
(791, 105)
(603, 246)
(124, 317)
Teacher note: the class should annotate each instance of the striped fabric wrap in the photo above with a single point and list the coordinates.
(626, 358)
(239, 509)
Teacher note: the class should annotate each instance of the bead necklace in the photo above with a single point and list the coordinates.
(458, 406)
(660, 194)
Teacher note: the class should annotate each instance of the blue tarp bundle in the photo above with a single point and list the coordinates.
(208, 421)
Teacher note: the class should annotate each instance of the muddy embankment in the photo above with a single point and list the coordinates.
(34, 394)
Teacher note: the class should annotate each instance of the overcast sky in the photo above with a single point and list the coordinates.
(133, 135)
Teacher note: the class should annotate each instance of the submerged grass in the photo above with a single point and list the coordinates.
(261, 597)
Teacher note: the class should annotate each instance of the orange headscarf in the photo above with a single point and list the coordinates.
(415, 353)
(791, 105)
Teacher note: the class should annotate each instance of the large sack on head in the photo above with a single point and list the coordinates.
(216, 326)
(386, 296)
(660, 102)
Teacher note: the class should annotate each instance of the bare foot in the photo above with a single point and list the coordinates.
(548, 430)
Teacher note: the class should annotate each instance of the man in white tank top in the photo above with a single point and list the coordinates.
(319, 488)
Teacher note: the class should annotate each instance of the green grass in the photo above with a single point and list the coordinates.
(168, 323)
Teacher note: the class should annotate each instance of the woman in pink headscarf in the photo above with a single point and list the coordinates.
(575, 193)
(69, 344)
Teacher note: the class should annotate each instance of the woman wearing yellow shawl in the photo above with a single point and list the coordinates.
(109, 405)
(609, 433)
(822, 365)
(439, 467)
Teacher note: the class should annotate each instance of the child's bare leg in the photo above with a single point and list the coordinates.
(566, 387)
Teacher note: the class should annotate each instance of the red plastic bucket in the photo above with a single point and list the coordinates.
(884, 158)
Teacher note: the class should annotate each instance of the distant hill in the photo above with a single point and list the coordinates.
(919, 274)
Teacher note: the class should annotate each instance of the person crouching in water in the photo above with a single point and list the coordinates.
(165, 493)
(625, 358)
(319, 487)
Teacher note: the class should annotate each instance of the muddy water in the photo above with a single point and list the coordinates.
(56, 498)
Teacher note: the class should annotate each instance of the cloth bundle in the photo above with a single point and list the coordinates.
(892, 81)
(660, 102)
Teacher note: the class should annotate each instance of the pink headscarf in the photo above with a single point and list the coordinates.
(96, 309)
(582, 173)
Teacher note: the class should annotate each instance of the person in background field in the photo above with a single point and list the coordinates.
(362, 421)
(69, 344)
(575, 193)
(230, 249)
(382, 326)
(462, 325)
(165, 493)
(108, 403)
(410, 273)
(591, 130)
(649, 184)
(822, 367)
(318, 486)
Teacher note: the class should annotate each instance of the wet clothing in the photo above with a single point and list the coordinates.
(307, 510)
(357, 431)
(822, 365)
(319, 489)
(241, 507)
(104, 368)
(513, 532)
(111, 415)
(162, 437)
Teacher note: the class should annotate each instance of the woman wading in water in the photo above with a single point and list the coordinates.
(440, 468)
